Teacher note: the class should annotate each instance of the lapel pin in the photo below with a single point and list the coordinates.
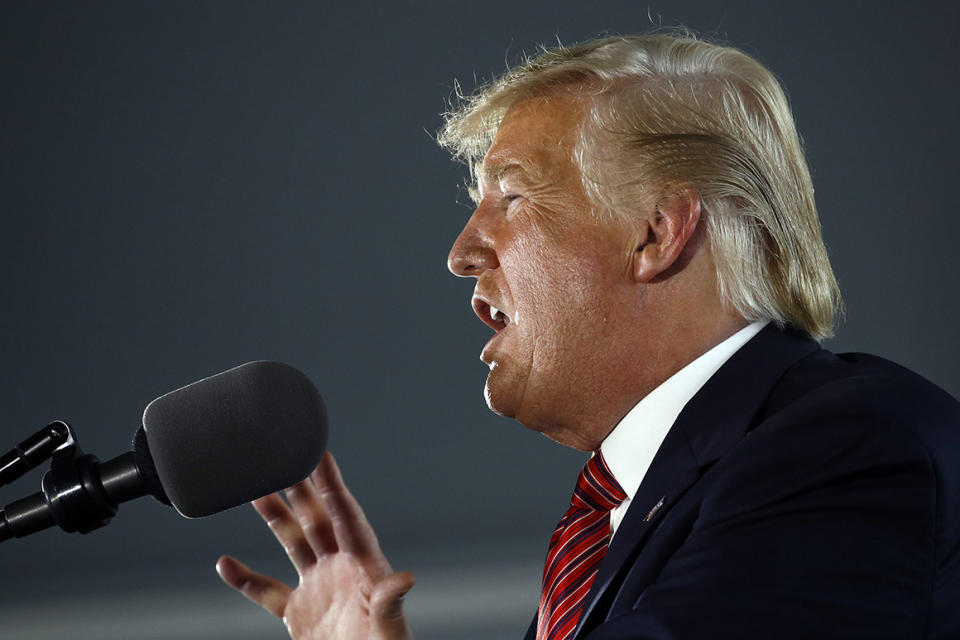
(656, 508)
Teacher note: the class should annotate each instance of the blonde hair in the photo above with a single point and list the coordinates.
(670, 110)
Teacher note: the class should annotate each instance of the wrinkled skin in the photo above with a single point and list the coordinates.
(347, 588)
(563, 276)
(603, 306)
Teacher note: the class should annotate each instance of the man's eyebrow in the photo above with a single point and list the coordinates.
(493, 172)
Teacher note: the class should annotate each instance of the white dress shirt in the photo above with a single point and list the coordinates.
(633, 443)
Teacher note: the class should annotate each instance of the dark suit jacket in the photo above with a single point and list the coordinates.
(805, 495)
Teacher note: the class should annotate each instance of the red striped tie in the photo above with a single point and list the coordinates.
(576, 549)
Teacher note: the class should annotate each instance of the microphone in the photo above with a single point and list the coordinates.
(206, 447)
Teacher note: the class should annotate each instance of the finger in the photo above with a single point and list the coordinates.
(285, 528)
(386, 606)
(312, 517)
(350, 526)
(267, 592)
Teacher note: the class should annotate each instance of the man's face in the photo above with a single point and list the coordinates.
(553, 280)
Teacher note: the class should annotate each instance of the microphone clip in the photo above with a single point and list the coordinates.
(73, 495)
(56, 437)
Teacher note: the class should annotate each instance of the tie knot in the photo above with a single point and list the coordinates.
(597, 489)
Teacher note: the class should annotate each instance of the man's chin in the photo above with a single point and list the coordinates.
(501, 392)
(496, 402)
(505, 396)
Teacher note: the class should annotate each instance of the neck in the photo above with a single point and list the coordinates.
(685, 327)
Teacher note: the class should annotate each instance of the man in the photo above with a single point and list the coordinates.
(646, 248)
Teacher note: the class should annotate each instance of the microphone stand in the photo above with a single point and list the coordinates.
(79, 493)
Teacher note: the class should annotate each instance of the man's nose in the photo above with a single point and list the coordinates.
(472, 252)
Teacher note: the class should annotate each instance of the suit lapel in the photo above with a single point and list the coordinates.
(712, 423)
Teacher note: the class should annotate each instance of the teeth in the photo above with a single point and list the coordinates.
(495, 313)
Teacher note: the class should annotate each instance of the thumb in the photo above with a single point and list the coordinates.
(387, 621)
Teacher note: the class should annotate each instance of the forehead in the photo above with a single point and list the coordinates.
(535, 137)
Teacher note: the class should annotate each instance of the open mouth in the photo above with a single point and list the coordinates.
(490, 315)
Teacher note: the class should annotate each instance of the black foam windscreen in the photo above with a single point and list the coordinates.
(235, 436)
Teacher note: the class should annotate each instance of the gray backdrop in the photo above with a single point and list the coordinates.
(186, 186)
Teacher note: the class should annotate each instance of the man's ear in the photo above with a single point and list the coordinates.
(670, 229)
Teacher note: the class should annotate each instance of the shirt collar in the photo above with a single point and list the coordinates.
(630, 448)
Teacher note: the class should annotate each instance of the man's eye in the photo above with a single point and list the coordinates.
(509, 209)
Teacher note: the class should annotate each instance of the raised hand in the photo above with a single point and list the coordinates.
(347, 589)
